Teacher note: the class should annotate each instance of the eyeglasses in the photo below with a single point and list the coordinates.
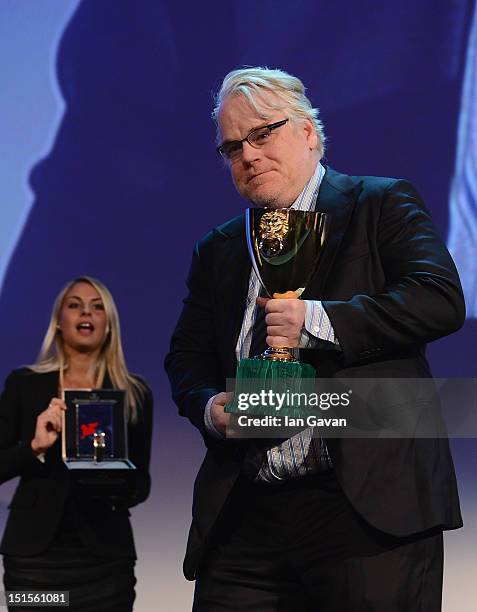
(256, 139)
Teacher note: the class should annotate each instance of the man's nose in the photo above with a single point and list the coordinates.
(249, 153)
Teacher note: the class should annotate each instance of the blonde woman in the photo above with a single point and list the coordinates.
(54, 540)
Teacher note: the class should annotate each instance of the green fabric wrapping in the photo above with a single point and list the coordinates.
(255, 375)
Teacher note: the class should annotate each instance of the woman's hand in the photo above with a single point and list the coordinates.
(48, 426)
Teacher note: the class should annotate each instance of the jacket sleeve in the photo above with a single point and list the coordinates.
(192, 363)
(422, 298)
(16, 456)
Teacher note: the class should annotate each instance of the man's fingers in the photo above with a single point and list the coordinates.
(220, 418)
(223, 398)
(285, 320)
(278, 319)
(272, 305)
(276, 330)
(278, 342)
(263, 301)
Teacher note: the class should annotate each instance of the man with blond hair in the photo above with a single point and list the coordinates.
(307, 524)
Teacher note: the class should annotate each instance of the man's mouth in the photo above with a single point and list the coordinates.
(254, 176)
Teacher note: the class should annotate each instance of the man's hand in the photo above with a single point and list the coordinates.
(220, 419)
(285, 319)
(48, 426)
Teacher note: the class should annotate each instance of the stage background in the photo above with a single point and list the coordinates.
(109, 169)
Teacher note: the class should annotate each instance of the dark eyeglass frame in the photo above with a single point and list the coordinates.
(236, 145)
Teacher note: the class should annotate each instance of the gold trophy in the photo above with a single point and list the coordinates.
(284, 246)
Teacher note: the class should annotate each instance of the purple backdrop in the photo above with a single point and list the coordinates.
(132, 180)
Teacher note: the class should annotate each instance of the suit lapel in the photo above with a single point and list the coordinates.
(337, 196)
(232, 276)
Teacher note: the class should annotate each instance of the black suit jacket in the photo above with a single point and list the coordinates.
(388, 285)
(43, 491)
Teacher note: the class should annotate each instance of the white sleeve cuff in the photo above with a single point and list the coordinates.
(317, 328)
(209, 424)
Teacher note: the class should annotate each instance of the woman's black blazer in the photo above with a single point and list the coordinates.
(43, 491)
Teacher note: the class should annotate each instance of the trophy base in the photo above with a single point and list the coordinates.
(277, 354)
(259, 374)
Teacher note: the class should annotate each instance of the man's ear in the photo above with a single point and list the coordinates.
(310, 134)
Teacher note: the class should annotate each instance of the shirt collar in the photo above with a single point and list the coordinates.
(306, 199)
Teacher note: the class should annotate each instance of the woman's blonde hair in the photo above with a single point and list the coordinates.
(111, 357)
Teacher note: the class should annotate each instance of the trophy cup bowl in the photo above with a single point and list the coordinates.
(285, 246)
